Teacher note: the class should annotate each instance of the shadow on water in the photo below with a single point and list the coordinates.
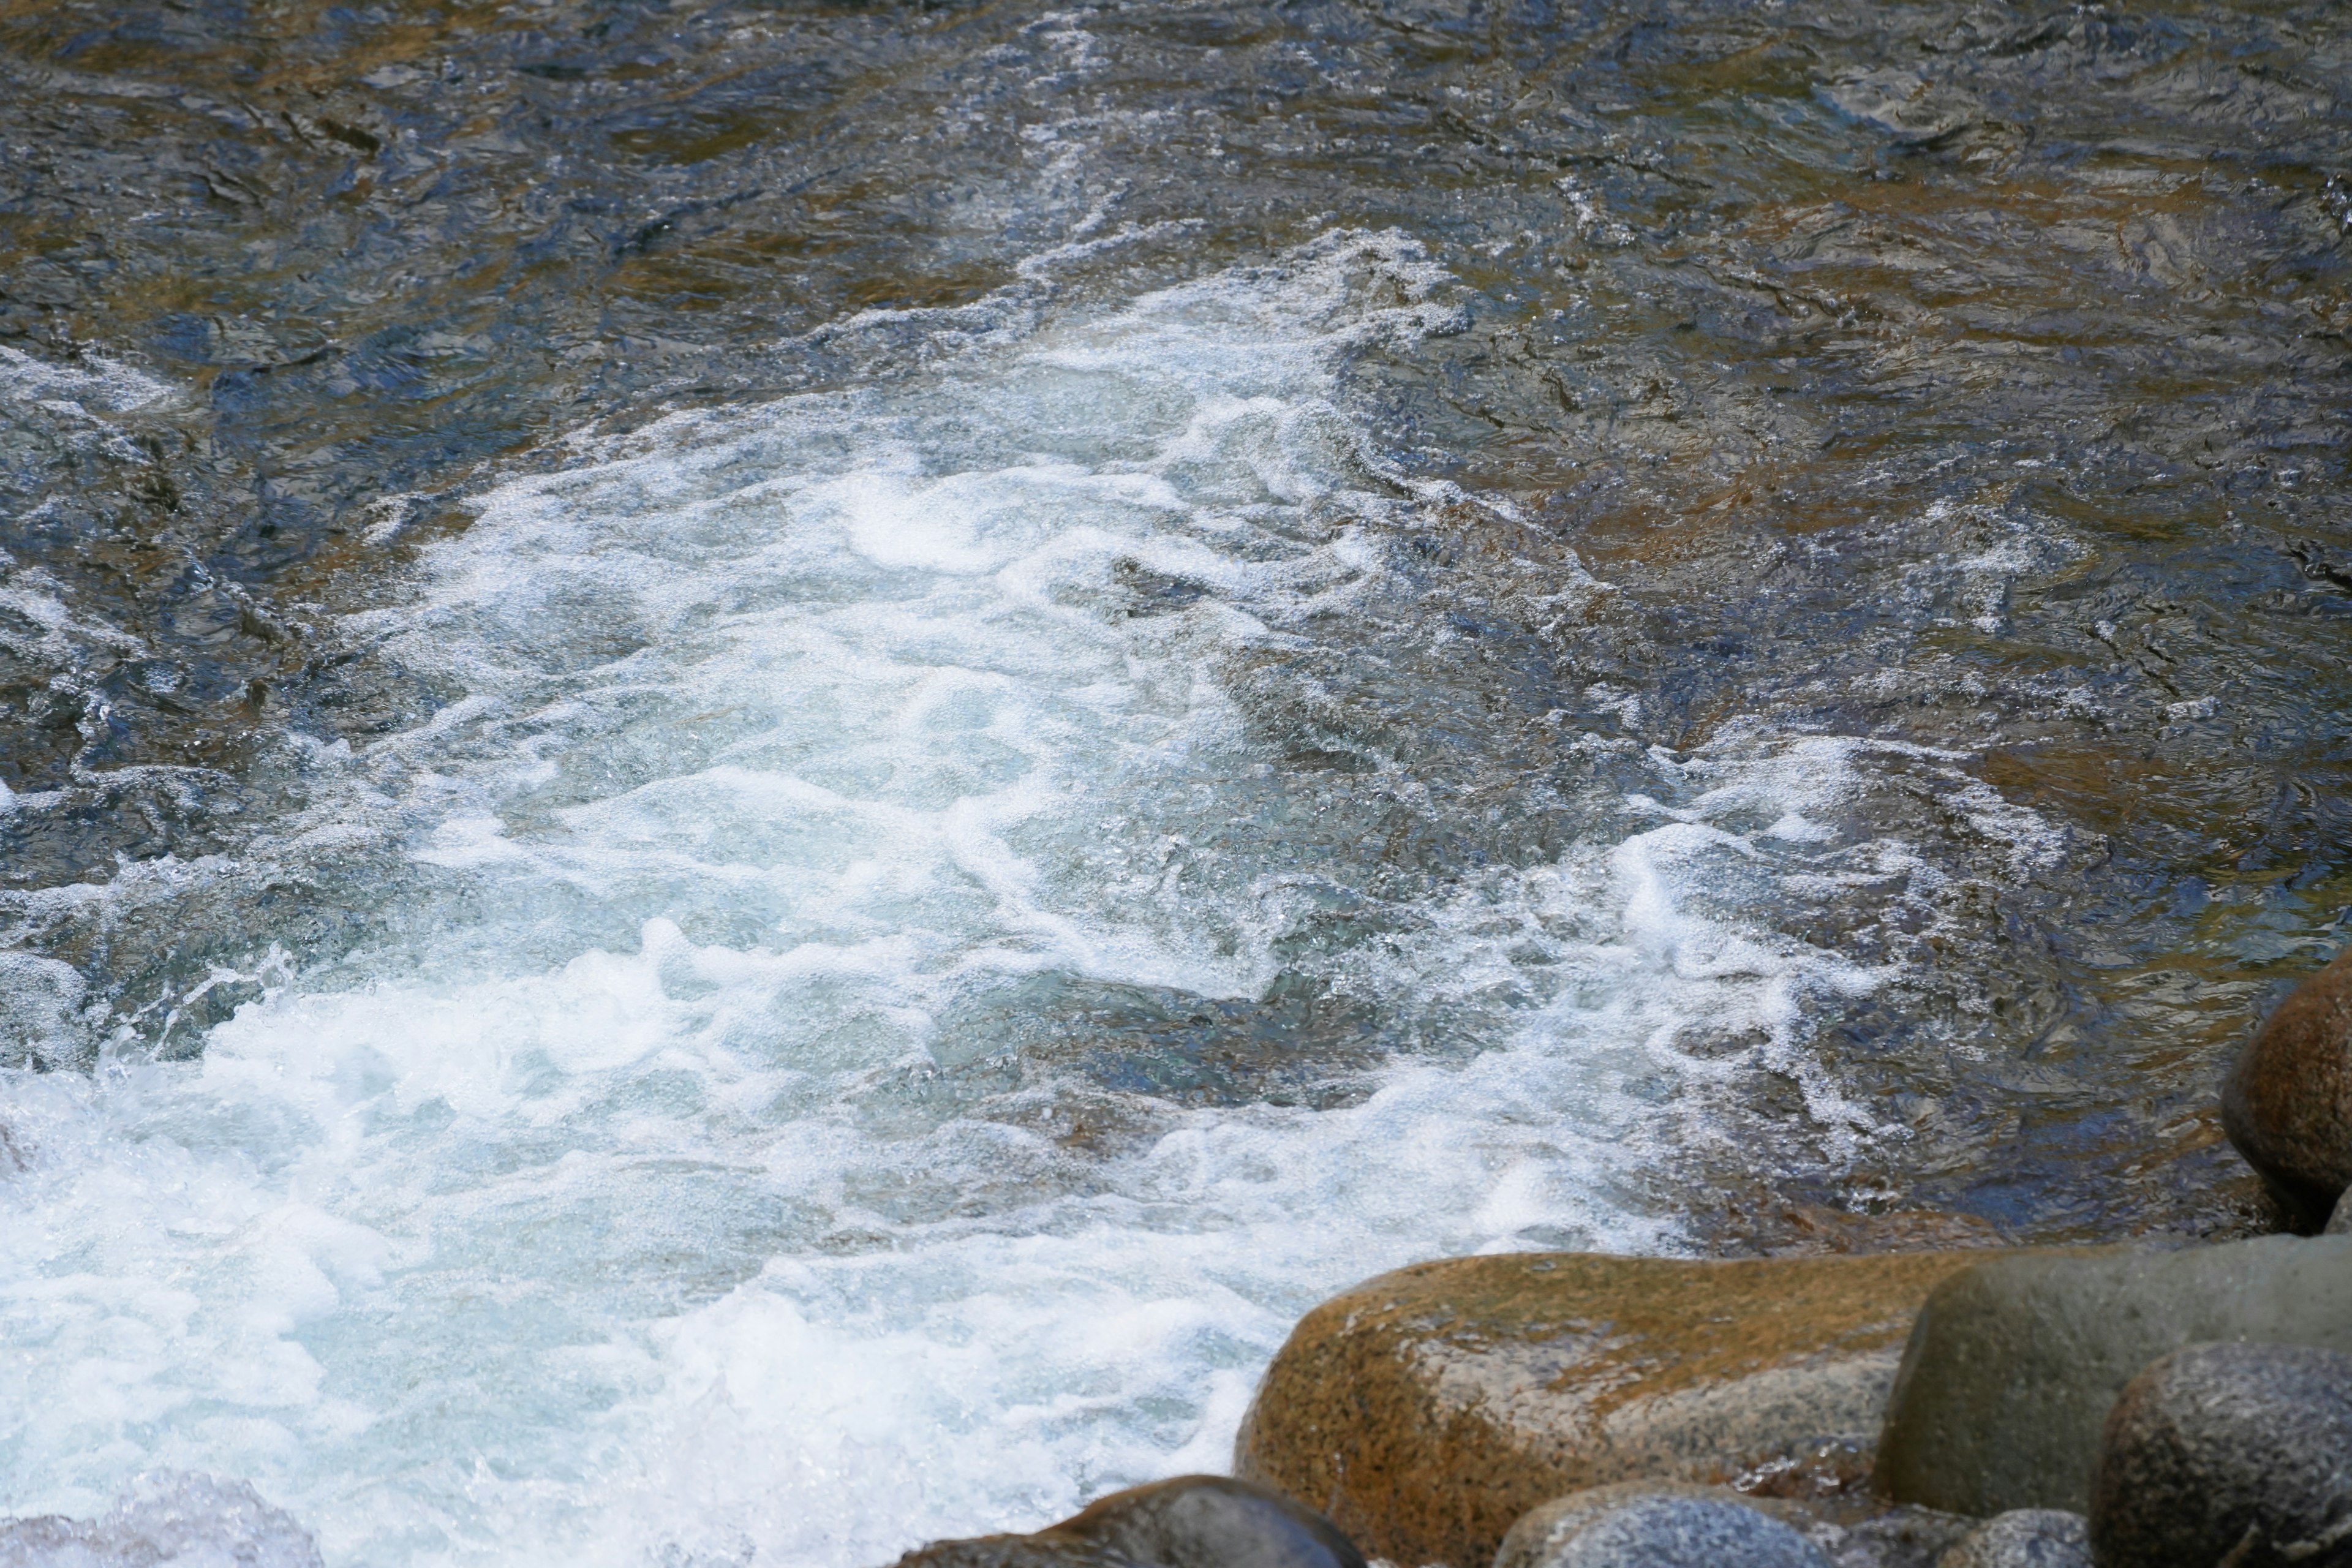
(1969, 379)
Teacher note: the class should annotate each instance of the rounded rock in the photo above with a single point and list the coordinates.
(2287, 1103)
(2025, 1537)
(1538, 1534)
(1192, 1521)
(2237, 1452)
(1666, 1529)
(2016, 1362)
(1428, 1409)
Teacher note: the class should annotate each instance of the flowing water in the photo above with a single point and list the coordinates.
(767, 766)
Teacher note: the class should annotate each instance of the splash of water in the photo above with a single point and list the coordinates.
(797, 1098)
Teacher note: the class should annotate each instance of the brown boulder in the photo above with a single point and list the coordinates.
(1426, 1410)
(2287, 1103)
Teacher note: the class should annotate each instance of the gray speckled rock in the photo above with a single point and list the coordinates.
(2240, 1452)
(2015, 1361)
(1192, 1521)
(1650, 1525)
(2025, 1537)
(2341, 1224)
(1543, 1529)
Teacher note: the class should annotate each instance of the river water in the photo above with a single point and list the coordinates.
(767, 766)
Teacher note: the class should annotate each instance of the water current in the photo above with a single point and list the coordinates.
(764, 768)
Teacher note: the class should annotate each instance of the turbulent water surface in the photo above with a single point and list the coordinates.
(765, 767)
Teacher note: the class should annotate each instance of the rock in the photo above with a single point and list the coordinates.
(1542, 1529)
(1192, 1521)
(2235, 1452)
(1647, 1526)
(2016, 1362)
(2025, 1537)
(2341, 1224)
(1428, 1409)
(2287, 1102)
(1897, 1536)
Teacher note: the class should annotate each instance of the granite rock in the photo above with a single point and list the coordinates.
(1192, 1521)
(1539, 1532)
(1427, 1410)
(2341, 1223)
(2025, 1537)
(2235, 1452)
(1663, 1529)
(2287, 1102)
(2015, 1361)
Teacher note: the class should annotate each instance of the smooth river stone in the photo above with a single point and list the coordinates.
(2025, 1537)
(2287, 1102)
(2016, 1362)
(1657, 1528)
(2239, 1453)
(1538, 1534)
(1427, 1410)
(1192, 1521)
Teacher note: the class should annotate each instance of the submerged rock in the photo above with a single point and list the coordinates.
(2015, 1363)
(2025, 1537)
(1650, 1525)
(2239, 1453)
(1192, 1521)
(2287, 1103)
(1428, 1409)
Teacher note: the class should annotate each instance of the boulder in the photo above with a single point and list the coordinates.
(2235, 1452)
(1428, 1409)
(2016, 1360)
(2287, 1102)
(1539, 1532)
(1192, 1521)
(2341, 1223)
(1640, 1525)
(2025, 1537)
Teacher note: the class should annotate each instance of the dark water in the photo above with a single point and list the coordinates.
(1965, 385)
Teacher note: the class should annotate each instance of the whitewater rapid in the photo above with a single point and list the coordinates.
(709, 1155)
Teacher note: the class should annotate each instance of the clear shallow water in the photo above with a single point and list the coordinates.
(768, 769)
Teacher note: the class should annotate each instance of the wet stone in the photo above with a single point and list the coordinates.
(2287, 1104)
(1543, 1532)
(1192, 1521)
(1659, 1529)
(2235, 1453)
(1428, 1409)
(2025, 1537)
(2015, 1363)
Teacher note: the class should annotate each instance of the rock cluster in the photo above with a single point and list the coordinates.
(2087, 1407)
(2015, 1363)
(1428, 1409)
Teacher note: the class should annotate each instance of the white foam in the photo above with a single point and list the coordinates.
(653, 1204)
(165, 1520)
(96, 384)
